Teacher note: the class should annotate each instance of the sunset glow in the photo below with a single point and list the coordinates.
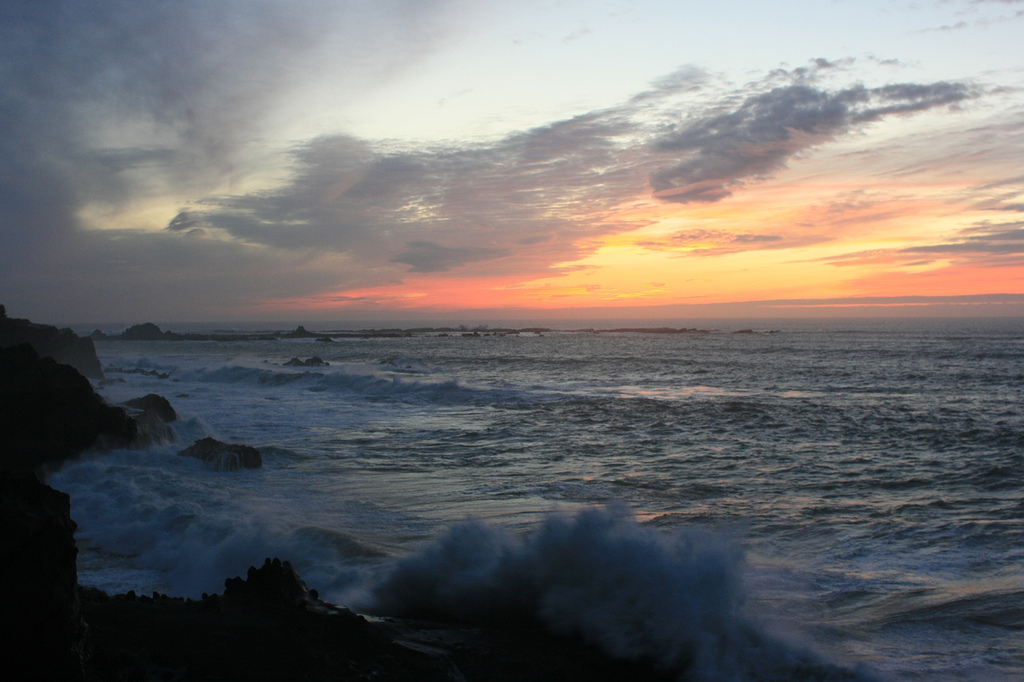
(470, 159)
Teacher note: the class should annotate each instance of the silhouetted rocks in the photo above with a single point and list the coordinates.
(41, 631)
(148, 332)
(154, 404)
(152, 413)
(308, 362)
(49, 412)
(222, 456)
(269, 626)
(266, 627)
(63, 345)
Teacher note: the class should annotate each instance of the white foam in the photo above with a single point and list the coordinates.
(674, 599)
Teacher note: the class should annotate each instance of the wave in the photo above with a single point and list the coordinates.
(166, 516)
(370, 384)
(673, 599)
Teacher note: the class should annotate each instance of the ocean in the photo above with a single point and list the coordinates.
(739, 496)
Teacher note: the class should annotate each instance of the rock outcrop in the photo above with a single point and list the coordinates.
(49, 412)
(224, 456)
(42, 631)
(269, 626)
(63, 345)
(314, 361)
(152, 413)
(266, 627)
(148, 332)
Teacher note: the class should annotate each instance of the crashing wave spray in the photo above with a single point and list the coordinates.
(673, 599)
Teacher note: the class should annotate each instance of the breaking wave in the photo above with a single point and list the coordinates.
(638, 593)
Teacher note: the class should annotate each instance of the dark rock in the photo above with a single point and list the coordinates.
(267, 627)
(154, 404)
(276, 585)
(41, 630)
(224, 456)
(49, 412)
(308, 362)
(152, 413)
(148, 332)
(63, 345)
(136, 370)
(300, 333)
(325, 339)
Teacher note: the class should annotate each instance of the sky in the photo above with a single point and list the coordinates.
(187, 160)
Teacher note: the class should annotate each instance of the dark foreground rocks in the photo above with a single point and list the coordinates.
(266, 627)
(222, 456)
(270, 627)
(42, 627)
(63, 345)
(49, 412)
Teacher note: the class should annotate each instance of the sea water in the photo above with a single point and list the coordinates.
(847, 491)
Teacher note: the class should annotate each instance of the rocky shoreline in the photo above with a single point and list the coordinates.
(267, 626)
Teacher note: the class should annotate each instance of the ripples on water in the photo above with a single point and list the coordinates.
(872, 470)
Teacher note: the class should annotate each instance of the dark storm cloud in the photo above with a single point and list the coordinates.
(438, 208)
(725, 150)
(108, 102)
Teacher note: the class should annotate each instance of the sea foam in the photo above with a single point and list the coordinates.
(638, 593)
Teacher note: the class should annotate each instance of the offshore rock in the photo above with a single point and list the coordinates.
(314, 361)
(152, 413)
(155, 405)
(42, 631)
(148, 332)
(63, 345)
(49, 412)
(224, 456)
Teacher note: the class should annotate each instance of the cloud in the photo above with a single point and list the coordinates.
(426, 256)
(541, 197)
(985, 244)
(725, 150)
(173, 106)
(988, 244)
(538, 194)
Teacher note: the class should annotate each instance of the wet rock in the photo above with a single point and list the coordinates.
(156, 405)
(153, 413)
(41, 630)
(266, 627)
(275, 585)
(49, 412)
(308, 362)
(63, 345)
(224, 456)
